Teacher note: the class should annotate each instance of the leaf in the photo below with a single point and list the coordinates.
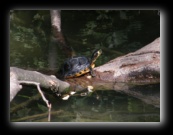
(27, 46)
(42, 107)
(23, 112)
(24, 96)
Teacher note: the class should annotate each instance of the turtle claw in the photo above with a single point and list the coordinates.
(92, 73)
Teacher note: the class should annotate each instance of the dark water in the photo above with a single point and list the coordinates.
(115, 34)
(100, 106)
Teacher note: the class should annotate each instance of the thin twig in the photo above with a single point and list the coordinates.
(42, 95)
(49, 112)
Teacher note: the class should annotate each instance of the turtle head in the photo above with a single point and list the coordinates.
(95, 55)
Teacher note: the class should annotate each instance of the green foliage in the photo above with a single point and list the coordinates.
(23, 112)
(28, 39)
(102, 14)
(89, 28)
(121, 29)
(39, 63)
(42, 107)
(38, 17)
(23, 35)
(24, 96)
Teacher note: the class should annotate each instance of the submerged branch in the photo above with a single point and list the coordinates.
(23, 104)
(37, 116)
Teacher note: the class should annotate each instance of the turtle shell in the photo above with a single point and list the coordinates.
(76, 66)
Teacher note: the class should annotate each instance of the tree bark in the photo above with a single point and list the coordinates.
(142, 66)
(120, 74)
(48, 82)
(56, 28)
(57, 40)
(15, 87)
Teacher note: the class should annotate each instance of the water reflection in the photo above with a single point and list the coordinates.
(100, 106)
(109, 106)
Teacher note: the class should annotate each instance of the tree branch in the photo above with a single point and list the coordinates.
(18, 76)
(41, 93)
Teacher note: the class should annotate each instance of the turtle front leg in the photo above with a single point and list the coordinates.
(92, 72)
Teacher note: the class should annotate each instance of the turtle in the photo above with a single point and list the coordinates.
(79, 65)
